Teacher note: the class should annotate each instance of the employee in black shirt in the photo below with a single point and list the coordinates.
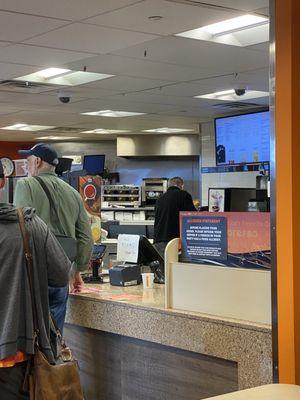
(167, 209)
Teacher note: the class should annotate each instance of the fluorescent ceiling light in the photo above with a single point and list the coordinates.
(229, 95)
(241, 31)
(111, 113)
(232, 24)
(51, 72)
(168, 130)
(105, 131)
(63, 77)
(56, 137)
(25, 127)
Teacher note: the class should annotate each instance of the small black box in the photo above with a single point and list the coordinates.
(125, 275)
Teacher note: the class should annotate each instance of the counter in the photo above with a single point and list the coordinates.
(130, 347)
(268, 392)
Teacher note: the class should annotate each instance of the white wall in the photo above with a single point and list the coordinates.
(220, 180)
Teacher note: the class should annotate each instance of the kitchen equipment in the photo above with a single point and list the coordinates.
(152, 189)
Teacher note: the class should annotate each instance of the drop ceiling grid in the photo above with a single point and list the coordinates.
(90, 38)
(39, 56)
(176, 17)
(193, 53)
(72, 10)
(169, 60)
(243, 5)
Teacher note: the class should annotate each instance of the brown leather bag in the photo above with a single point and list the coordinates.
(46, 381)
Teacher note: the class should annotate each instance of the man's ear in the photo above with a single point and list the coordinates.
(2, 182)
(39, 162)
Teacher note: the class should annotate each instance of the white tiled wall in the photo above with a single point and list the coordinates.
(220, 180)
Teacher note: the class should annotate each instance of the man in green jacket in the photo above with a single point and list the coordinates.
(73, 218)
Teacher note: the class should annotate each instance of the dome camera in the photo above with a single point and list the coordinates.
(240, 92)
(64, 97)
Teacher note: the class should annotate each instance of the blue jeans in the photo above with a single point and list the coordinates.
(58, 298)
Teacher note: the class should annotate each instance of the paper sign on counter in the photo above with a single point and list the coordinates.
(128, 248)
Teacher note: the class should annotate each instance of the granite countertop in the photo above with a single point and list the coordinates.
(140, 313)
(154, 300)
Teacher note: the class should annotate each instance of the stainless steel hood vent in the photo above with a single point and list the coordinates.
(153, 146)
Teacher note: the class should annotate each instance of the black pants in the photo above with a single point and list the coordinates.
(11, 381)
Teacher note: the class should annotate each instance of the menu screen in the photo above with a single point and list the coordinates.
(243, 138)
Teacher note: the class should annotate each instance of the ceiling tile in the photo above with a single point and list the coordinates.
(10, 71)
(7, 109)
(244, 5)
(38, 118)
(90, 38)
(40, 56)
(4, 44)
(66, 9)
(168, 60)
(23, 99)
(253, 81)
(127, 84)
(208, 56)
(142, 68)
(176, 17)
(83, 91)
(261, 47)
(156, 97)
(17, 27)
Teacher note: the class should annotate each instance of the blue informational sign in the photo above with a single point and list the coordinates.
(203, 238)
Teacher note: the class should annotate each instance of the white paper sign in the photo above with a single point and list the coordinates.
(128, 248)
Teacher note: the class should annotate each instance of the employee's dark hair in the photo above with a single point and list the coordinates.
(176, 181)
(1, 170)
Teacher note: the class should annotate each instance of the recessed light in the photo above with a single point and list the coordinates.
(51, 72)
(63, 77)
(26, 127)
(230, 95)
(56, 137)
(237, 23)
(168, 130)
(111, 113)
(244, 30)
(98, 131)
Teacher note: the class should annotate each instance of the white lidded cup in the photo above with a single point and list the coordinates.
(148, 278)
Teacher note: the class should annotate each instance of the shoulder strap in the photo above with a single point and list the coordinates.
(29, 267)
(51, 201)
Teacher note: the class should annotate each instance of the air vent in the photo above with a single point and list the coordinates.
(23, 86)
(234, 105)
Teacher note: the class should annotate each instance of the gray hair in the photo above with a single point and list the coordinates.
(176, 181)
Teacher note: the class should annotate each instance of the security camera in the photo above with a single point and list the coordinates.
(240, 92)
(64, 97)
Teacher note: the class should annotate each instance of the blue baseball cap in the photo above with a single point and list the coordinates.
(42, 150)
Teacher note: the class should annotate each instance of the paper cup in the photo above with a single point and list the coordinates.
(148, 278)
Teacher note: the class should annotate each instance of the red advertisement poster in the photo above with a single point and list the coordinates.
(90, 191)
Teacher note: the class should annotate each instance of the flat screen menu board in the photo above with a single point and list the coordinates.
(243, 138)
